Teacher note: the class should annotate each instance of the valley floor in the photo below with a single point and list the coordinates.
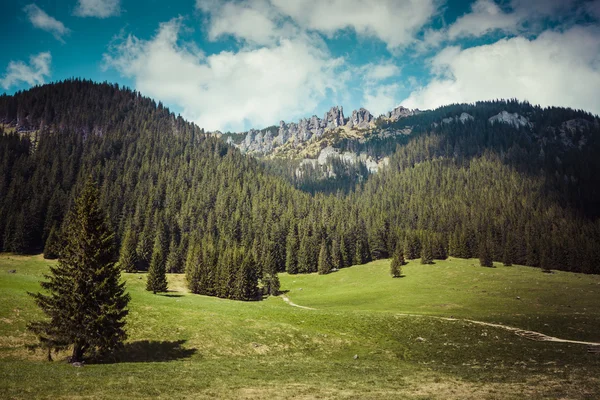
(355, 336)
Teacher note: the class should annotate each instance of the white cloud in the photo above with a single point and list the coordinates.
(377, 72)
(379, 94)
(255, 21)
(485, 16)
(553, 69)
(229, 90)
(395, 22)
(381, 99)
(41, 20)
(518, 16)
(32, 74)
(98, 8)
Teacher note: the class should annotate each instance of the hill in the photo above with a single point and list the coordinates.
(182, 345)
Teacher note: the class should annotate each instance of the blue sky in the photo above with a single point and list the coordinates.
(232, 65)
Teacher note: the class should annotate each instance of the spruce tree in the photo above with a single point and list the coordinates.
(324, 260)
(192, 267)
(485, 253)
(173, 263)
(128, 255)
(508, 255)
(291, 253)
(426, 251)
(246, 280)
(157, 278)
(84, 300)
(336, 255)
(397, 262)
(53, 244)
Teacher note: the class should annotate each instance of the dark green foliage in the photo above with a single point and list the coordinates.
(246, 279)
(128, 255)
(157, 278)
(485, 254)
(412, 246)
(174, 263)
(426, 250)
(53, 244)
(325, 265)
(508, 255)
(84, 300)
(336, 255)
(291, 254)
(397, 262)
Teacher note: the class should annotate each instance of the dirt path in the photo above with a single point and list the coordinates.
(291, 303)
(531, 335)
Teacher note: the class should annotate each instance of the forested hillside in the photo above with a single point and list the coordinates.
(178, 198)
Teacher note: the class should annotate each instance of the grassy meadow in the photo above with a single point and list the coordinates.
(368, 337)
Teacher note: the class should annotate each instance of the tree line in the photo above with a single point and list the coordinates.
(183, 202)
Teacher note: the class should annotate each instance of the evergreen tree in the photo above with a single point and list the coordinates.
(346, 258)
(412, 246)
(397, 262)
(173, 263)
(426, 251)
(246, 280)
(486, 251)
(336, 255)
(157, 278)
(193, 267)
(291, 254)
(324, 260)
(128, 255)
(508, 255)
(85, 302)
(53, 244)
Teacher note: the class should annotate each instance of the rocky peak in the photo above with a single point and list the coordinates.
(400, 112)
(513, 119)
(464, 117)
(334, 117)
(360, 119)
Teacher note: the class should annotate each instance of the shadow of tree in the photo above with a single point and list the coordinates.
(153, 351)
(171, 295)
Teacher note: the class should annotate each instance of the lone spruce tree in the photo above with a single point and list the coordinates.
(324, 266)
(128, 256)
(397, 262)
(84, 300)
(53, 245)
(157, 278)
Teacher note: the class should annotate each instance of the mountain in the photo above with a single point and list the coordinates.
(294, 138)
(500, 179)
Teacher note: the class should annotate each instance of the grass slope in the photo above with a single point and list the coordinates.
(188, 346)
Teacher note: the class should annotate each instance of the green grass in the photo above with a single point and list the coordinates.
(188, 346)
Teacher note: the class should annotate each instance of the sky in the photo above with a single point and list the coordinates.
(240, 64)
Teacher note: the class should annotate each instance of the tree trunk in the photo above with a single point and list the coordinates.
(77, 353)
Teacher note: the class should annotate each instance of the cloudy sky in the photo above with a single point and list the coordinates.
(232, 65)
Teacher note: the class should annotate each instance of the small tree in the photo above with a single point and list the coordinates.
(157, 278)
(336, 255)
(508, 255)
(426, 251)
(485, 251)
(397, 262)
(53, 245)
(324, 260)
(128, 255)
(85, 302)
